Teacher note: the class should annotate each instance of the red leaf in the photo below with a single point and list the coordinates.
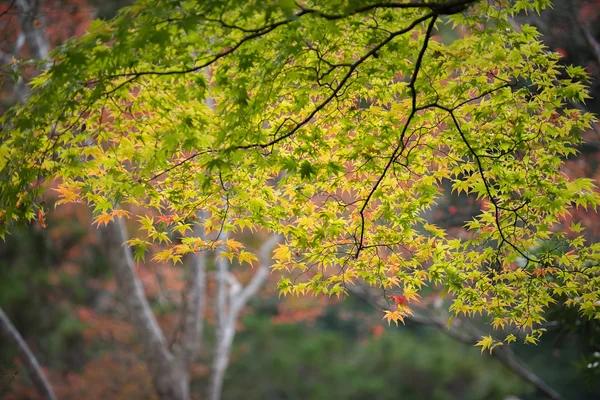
(562, 52)
(398, 299)
(167, 219)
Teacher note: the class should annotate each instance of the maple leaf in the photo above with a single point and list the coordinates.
(104, 218)
(398, 299)
(487, 342)
(121, 213)
(246, 256)
(317, 230)
(410, 293)
(539, 272)
(394, 316)
(167, 255)
(233, 245)
(228, 255)
(42, 219)
(282, 253)
(67, 195)
(167, 219)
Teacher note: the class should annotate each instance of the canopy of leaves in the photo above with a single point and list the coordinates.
(334, 124)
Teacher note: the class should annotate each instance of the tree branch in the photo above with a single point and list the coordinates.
(502, 353)
(400, 148)
(12, 336)
(448, 8)
(341, 85)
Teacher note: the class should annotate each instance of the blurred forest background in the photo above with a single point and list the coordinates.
(58, 289)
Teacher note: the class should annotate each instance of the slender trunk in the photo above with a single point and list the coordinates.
(36, 38)
(12, 336)
(169, 376)
(230, 303)
(219, 363)
(195, 303)
(39, 47)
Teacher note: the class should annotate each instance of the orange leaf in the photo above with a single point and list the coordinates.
(104, 218)
(121, 213)
(67, 194)
(42, 219)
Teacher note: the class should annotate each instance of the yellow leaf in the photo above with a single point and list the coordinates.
(498, 322)
(246, 256)
(163, 255)
(282, 253)
(410, 293)
(394, 316)
(233, 245)
(510, 338)
(228, 255)
(487, 342)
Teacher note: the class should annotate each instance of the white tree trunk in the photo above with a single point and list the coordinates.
(169, 376)
(195, 304)
(230, 302)
(36, 38)
(14, 339)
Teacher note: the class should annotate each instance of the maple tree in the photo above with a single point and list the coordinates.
(171, 369)
(334, 124)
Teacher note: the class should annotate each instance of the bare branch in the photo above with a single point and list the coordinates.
(12, 336)
(502, 353)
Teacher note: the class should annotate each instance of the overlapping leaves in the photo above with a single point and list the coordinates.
(334, 124)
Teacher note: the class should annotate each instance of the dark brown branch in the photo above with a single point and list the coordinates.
(177, 164)
(452, 7)
(436, 8)
(398, 150)
(10, 6)
(342, 83)
(486, 184)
